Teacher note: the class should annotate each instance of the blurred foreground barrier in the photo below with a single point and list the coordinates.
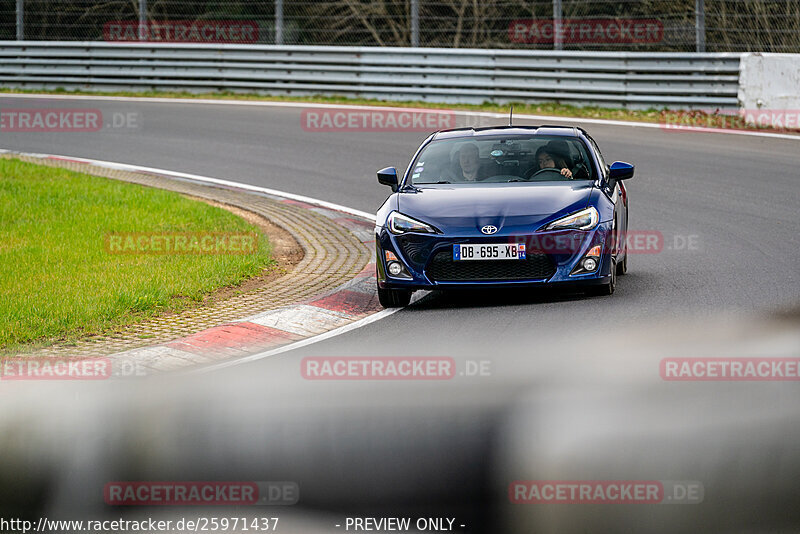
(722, 455)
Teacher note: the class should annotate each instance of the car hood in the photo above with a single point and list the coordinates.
(511, 207)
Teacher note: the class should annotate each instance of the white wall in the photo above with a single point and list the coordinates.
(770, 82)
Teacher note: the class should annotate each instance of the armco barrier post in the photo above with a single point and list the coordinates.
(700, 25)
(20, 20)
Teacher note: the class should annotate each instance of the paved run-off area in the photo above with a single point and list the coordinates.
(331, 286)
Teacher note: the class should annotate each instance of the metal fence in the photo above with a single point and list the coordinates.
(683, 25)
(612, 79)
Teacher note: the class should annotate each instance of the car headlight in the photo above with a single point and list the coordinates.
(400, 224)
(582, 220)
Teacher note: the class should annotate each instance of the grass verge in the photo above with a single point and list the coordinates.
(58, 279)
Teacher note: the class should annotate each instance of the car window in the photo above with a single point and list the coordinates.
(498, 159)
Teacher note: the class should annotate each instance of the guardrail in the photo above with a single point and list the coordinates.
(610, 79)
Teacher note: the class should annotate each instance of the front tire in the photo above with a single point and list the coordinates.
(605, 289)
(622, 267)
(393, 298)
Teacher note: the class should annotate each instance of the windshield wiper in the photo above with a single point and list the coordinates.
(429, 183)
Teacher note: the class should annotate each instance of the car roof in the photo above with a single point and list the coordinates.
(561, 131)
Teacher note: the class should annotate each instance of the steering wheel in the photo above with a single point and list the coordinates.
(549, 169)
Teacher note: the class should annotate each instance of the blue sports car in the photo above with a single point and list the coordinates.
(503, 207)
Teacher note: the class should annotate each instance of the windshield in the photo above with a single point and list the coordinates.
(500, 159)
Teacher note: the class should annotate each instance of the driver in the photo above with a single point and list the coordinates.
(469, 161)
(548, 159)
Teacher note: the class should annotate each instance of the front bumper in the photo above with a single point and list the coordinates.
(551, 259)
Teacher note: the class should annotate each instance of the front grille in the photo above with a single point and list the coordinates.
(443, 269)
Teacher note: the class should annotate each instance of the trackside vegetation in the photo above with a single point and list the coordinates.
(61, 276)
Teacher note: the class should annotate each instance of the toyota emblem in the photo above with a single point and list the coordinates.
(489, 229)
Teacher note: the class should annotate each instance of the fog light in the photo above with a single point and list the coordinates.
(590, 264)
(394, 268)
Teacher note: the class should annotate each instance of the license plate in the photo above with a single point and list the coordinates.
(489, 252)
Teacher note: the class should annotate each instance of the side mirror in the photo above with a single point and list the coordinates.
(388, 176)
(621, 170)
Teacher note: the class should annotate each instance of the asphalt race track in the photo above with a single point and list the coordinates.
(736, 194)
(571, 378)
